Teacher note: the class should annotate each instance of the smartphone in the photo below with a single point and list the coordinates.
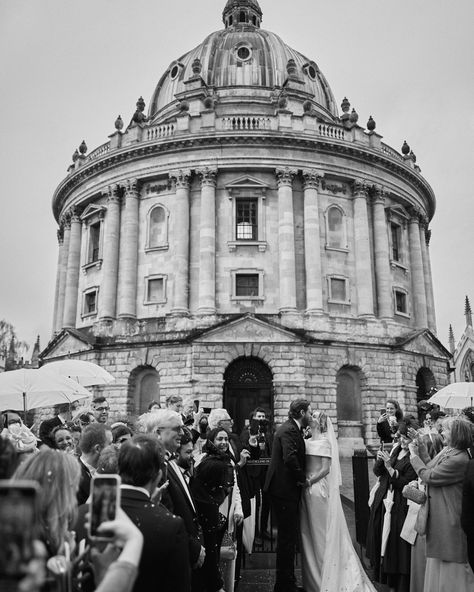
(206, 410)
(18, 527)
(105, 499)
(382, 411)
(196, 406)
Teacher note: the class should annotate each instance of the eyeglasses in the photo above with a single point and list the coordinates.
(102, 408)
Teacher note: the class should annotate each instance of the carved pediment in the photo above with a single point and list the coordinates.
(248, 329)
(424, 342)
(93, 210)
(64, 344)
(246, 182)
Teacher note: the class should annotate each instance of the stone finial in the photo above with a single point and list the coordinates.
(468, 312)
(291, 68)
(196, 67)
(345, 105)
(184, 106)
(75, 156)
(119, 123)
(452, 345)
(139, 116)
(371, 124)
(354, 117)
(209, 103)
(83, 148)
(405, 148)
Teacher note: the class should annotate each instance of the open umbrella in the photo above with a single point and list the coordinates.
(388, 503)
(29, 389)
(85, 373)
(455, 396)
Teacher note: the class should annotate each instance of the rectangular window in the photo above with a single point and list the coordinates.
(246, 284)
(155, 290)
(396, 242)
(246, 220)
(401, 302)
(94, 242)
(90, 303)
(338, 289)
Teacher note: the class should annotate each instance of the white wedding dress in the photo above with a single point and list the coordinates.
(328, 559)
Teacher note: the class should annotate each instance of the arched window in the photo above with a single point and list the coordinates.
(242, 18)
(349, 401)
(158, 228)
(335, 228)
(143, 388)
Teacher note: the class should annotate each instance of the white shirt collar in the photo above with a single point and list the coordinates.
(134, 488)
(89, 467)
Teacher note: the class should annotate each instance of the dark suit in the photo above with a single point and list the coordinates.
(84, 484)
(285, 476)
(176, 500)
(164, 564)
(46, 427)
(467, 514)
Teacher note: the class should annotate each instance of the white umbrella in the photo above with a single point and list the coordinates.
(85, 373)
(455, 396)
(29, 389)
(388, 503)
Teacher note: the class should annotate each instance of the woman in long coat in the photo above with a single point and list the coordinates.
(394, 472)
(446, 545)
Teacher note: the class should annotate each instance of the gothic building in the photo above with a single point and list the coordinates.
(463, 352)
(245, 242)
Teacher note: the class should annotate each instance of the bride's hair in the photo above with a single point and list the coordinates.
(321, 419)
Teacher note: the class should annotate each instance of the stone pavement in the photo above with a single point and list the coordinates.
(259, 572)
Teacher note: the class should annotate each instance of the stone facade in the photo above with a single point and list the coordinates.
(244, 219)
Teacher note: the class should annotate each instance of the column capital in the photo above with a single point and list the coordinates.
(312, 178)
(75, 215)
(65, 221)
(416, 215)
(60, 234)
(112, 193)
(208, 176)
(360, 188)
(379, 195)
(182, 178)
(285, 176)
(131, 188)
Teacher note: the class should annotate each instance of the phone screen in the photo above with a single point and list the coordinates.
(18, 526)
(105, 498)
(196, 406)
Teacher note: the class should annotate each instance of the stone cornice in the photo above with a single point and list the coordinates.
(115, 158)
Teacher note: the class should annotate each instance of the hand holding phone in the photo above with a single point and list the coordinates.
(105, 500)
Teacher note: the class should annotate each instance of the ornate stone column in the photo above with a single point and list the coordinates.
(110, 265)
(127, 292)
(66, 225)
(60, 235)
(425, 238)
(312, 247)
(180, 304)
(72, 271)
(420, 315)
(207, 242)
(382, 263)
(286, 240)
(363, 258)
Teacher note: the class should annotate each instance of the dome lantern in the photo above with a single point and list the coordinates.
(242, 12)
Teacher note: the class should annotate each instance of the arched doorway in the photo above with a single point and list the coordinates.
(425, 381)
(143, 388)
(248, 383)
(349, 404)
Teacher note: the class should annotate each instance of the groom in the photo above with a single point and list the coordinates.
(285, 480)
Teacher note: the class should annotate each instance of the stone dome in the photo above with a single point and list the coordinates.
(246, 57)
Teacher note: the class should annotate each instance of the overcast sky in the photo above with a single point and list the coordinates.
(69, 68)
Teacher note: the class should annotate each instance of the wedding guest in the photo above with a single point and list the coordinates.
(392, 567)
(22, 438)
(387, 422)
(446, 544)
(153, 406)
(164, 561)
(175, 403)
(94, 439)
(8, 458)
(61, 436)
(58, 478)
(120, 433)
(108, 461)
(100, 409)
(76, 432)
(47, 426)
(467, 512)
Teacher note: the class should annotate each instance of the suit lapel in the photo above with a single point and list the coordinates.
(177, 481)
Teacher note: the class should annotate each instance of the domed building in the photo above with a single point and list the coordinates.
(245, 243)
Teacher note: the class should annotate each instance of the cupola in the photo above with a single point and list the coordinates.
(242, 12)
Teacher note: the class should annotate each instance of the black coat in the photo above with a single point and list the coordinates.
(164, 564)
(84, 489)
(286, 472)
(397, 555)
(46, 427)
(467, 513)
(177, 502)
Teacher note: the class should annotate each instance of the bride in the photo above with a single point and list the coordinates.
(329, 561)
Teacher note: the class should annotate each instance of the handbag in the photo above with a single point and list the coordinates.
(228, 546)
(414, 494)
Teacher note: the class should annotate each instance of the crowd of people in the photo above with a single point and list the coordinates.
(421, 528)
(192, 501)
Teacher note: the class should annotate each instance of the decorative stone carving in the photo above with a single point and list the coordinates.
(139, 116)
(83, 148)
(312, 178)
(285, 176)
(360, 188)
(131, 188)
(119, 123)
(60, 235)
(112, 194)
(181, 178)
(208, 176)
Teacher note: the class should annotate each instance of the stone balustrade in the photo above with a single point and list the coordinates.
(246, 122)
(331, 131)
(98, 152)
(161, 131)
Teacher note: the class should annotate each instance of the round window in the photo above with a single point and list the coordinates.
(174, 72)
(244, 53)
(312, 72)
